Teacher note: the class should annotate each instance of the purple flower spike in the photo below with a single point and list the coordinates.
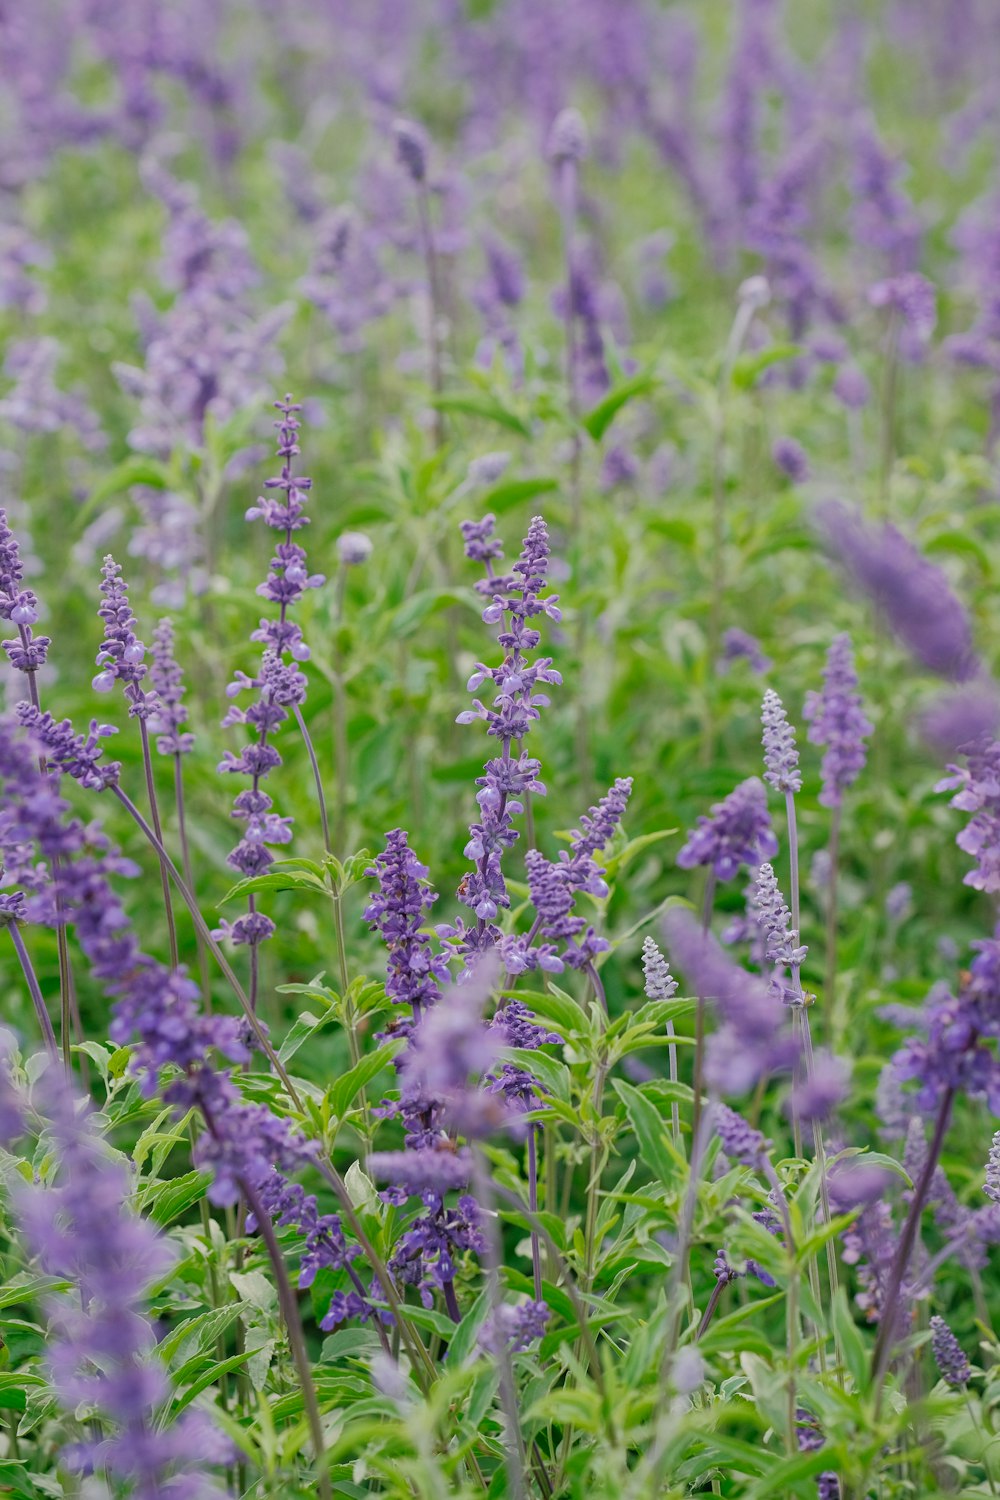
(83, 1232)
(837, 720)
(752, 1041)
(913, 594)
(977, 790)
(740, 1141)
(791, 458)
(19, 605)
(949, 1356)
(780, 755)
(738, 832)
(660, 983)
(122, 656)
(170, 714)
(415, 972)
(992, 1185)
(738, 645)
(278, 685)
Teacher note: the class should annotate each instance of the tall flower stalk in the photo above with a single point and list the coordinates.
(838, 722)
(122, 658)
(278, 686)
(412, 151)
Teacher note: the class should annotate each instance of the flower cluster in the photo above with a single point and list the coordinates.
(169, 712)
(19, 605)
(101, 1341)
(837, 720)
(957, 1051)
(914, 595)
(122, 656)
(781, 758)
(738, 832)
(278, 686)
(414, 972)
(516, 599)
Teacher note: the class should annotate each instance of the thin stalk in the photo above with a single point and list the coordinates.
(69, 1014)
(434, 298)
(317, 778)
(699, 1015)
(41, 1011)
(904, 1250)
(341, 749)
(791, 1298)
(819, 1151)
(182, 837)
(202, 927)
(830, 976)
(675, 1108)
(975, 1422)
(514, 1455)
(536, 1249)
(154, 818)
(295, 1331)
(890, 393)
(713, 1303)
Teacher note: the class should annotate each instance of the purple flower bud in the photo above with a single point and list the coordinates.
(568, 138)
(836, 720)
(914, 595)
(949, 1355)
(791, 458)
(738, 832)
(780, 755)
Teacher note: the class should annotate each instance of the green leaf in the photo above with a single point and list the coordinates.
(413, 611)
(848, 1335)
(550, 1072)
(650, 1131)
(348, 1343)
(505, 496)
(275, 880)
(137, 469)
(165, 1201)
(555, 1006)
(600, 417)
(302, 1028)
(486, 408)
(342, 1094)
(749, 367)
(634, 847)
(14, 1478)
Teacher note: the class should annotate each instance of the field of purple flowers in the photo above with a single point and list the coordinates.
(499, 958)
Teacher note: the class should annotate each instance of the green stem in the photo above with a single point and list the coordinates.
(154, 818)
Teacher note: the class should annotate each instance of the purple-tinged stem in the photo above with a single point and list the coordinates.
(699, 1017)
(451, 1302)
(206, 988)
(830, 976)
(904, 1249)
(514, 1455)
(201, 927)
(69, 1013)
(536, 1249)
(44, 1020)
(154, 817)
(296, 1334)
(317, 778)
(341, 748)
(434, 298)
(713, 1303)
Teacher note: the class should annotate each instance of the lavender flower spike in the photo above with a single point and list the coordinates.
(837, 720)
(780, 755)
(100, 1346)
(914, 595)
(739, 1140)
(19, 606)
(660, 983)
(170, 714)
(992, 1186)
(738, 832)
(415, 973)
(122, 656)
(949, 1356)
